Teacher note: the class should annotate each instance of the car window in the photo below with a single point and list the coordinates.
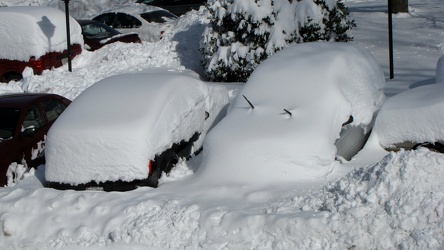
(106, 18)
(53, 108)
(8, 122)
(158, 16)
(126, 21)
(151, 2)
(33, 117)
(91, 30)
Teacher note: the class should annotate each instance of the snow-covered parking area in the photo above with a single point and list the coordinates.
(378, 200)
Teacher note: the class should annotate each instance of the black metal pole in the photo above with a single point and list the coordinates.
(390, 11)
(68, 34)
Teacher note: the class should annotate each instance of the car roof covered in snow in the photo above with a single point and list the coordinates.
(115, 127)
(27, 31)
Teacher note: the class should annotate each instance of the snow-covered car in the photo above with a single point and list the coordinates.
(149, 22)
(177, 7)
(413, 118)
(24, 122)
(97, 34)
(35, 37)
(124, 131)
(300, 110)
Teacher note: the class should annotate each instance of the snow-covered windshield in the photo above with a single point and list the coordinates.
(8, 122)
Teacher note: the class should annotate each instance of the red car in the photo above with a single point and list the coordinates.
(11, 70)
(24, 122)
(35, 37)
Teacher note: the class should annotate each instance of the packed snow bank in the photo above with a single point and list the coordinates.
(396, 203)
(301, 97)
(114, 128)
(34, 31)
(415, 115)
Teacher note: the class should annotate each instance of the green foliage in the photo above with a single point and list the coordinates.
(239, 36)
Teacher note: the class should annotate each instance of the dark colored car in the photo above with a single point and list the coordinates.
(97, 34)
(177, 7)
(24, 122)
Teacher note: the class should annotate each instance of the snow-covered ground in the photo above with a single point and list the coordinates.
(383, 201)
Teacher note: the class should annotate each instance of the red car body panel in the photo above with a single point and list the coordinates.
(48, 61)
(22, 147)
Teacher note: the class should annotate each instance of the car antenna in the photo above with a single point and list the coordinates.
(288, 112)
(251, 105)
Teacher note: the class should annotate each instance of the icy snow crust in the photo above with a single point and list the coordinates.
(34, 31)
(322, 85)
(114, 128)
(414, 115)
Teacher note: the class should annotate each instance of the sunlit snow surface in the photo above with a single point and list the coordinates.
(114, 128)
(301, 96)
(391, 202)
(34, 31)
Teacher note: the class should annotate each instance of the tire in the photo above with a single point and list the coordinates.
(168, 160)
(13, 77)
(434, 147)
(162, 163)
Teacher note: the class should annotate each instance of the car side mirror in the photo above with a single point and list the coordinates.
(29, 131)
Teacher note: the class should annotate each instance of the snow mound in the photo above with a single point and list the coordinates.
(115, 127)
(414, 115)
(396, 203)
(301, 96)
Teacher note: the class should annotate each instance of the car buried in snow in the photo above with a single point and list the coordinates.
(35, 37)
(124, 131)
(150, 22)
(302, 110)
(97, 34)
(24, 122)
(412, 119)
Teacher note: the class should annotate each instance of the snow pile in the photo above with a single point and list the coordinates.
(138, 116)
(34, 31)
(414, 115)
(301, 97)
(396, 203)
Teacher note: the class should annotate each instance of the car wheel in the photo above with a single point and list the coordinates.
(13, 77)
(435, 147)
(163, 163)
(169, 160)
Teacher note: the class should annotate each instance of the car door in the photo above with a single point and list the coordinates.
(34, 130)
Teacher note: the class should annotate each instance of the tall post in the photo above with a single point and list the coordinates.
(68, 34)
(390, 11)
